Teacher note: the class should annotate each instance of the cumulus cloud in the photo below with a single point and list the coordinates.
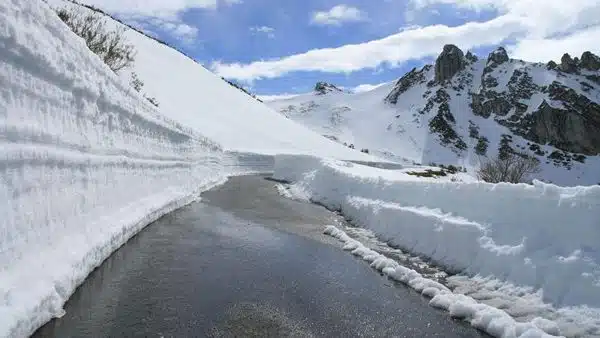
(338, 15)
(539, 31)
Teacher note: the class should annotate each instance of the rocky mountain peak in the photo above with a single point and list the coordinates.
(448, 63)
(322, 88)
(567, 64)
(498, 56)
(471, 57)
(590, 61)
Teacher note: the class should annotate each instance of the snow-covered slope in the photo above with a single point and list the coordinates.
(198, 99)
(485, 106)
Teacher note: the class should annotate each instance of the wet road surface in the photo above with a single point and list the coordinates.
(244, 262)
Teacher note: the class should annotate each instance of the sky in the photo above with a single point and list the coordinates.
(283, 47)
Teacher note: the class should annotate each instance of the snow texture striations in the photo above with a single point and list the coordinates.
(85, 163)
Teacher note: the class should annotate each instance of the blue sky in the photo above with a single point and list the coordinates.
(279, 47)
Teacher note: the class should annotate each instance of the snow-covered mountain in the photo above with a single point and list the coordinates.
(463, 108)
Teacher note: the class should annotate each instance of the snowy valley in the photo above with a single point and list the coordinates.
(465, 108)
(87, 161)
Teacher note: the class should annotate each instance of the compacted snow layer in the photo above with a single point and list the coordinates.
(484, 317)
(539, 235)
(85, 163)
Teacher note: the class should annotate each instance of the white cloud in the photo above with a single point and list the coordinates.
(528, 22)
(155, 8)
(338, 15)
(366, 87)
(406, 45)
(543, 50)
(182, 31)
(269, 31)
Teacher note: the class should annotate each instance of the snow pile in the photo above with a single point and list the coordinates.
(540, 235)
(484, 317)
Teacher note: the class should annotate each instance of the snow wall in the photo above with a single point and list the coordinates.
(85, 163)
(539, 235)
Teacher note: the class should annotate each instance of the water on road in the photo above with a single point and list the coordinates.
(244, 262)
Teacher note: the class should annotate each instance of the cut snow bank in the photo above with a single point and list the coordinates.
(539, 235)
(85, 163)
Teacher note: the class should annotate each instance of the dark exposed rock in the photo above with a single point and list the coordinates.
(573, 128)
(490, 82)
(322, 88)
(593, 78)
(498, 56)
(590, 61)
(567, 64)
(442, 123)
(491, 103)
(504, 148)
(551, 65)
(471, 57)
(521, 86)
(406, 82)
(448, 63)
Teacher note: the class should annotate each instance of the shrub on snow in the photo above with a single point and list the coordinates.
(110, 46)
(511, 168)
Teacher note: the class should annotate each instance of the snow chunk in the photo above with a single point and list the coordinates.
(484, 317)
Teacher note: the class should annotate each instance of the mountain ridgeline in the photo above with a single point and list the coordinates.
(464, 107)
(545, 104)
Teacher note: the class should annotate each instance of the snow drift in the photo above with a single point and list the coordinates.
(537, 235)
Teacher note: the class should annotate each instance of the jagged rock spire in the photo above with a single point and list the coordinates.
(448, 63)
